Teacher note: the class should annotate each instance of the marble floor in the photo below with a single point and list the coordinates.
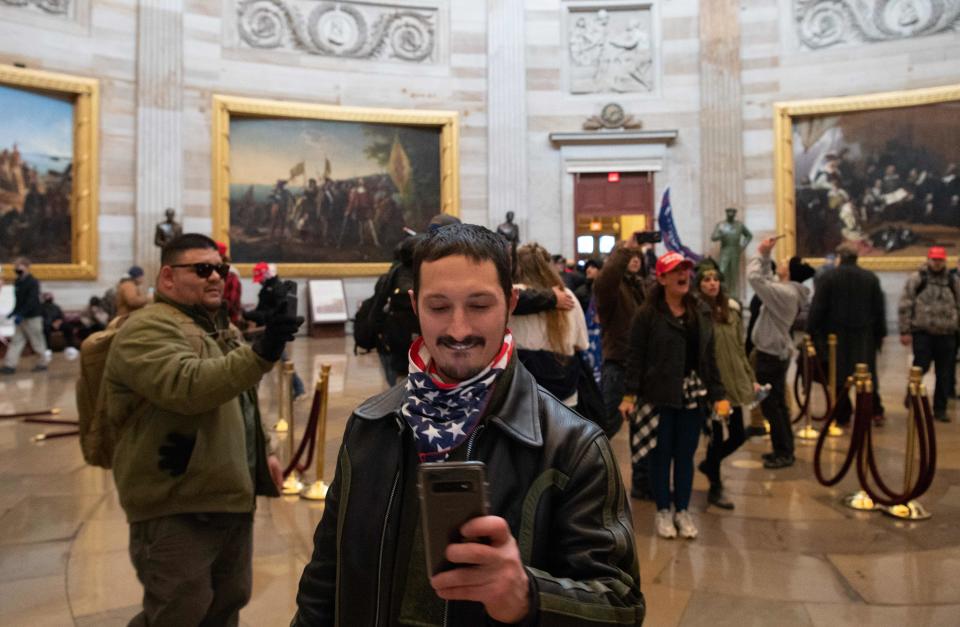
(789, 554)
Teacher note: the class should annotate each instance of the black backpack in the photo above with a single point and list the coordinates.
(365, 329)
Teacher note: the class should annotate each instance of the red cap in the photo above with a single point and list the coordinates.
(668, 262)
(260, 272)
(222, 248)
(937, 252)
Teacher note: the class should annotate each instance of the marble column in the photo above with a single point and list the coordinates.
(159, 112)
(721, 127)
(506, 114)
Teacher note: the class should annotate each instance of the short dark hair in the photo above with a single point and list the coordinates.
(182, 243)
(475, 242)
(847, 253)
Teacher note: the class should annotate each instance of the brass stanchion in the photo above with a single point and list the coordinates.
(292, 484)
(283, 398)
(859, 500)
(318, 489)
(807, 432)
(833, 430)
(911, 510)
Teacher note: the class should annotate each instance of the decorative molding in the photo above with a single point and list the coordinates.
(824, 23)
(50, 7)
(611, 117)
(599, 138)
(351, 30)
(610, 49)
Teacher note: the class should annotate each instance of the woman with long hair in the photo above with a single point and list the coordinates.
(671, 378)
(547, 342)
(737, 376)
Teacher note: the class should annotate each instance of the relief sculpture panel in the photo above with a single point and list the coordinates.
(48, 7)
(824, 23)
(610, 50)
(352, 30)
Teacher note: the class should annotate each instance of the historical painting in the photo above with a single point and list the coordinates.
(328, 191)
(878, 172)
(47, 173)
(611, 50)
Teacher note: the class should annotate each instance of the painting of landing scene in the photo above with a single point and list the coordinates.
(36, 164)
(306, 191)
(882, 179)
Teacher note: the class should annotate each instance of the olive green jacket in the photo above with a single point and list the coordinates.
(173, 369)
(735, 371)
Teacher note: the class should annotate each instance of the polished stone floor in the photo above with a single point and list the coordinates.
(790, 554)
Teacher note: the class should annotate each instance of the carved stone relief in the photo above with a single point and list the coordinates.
(340, 29)
(610, 50)
(823, 23)
(49, 7)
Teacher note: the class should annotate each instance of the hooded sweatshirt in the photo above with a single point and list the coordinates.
(782, 301)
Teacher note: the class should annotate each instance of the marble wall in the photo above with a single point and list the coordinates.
(515, 73)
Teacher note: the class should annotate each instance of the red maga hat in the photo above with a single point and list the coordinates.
(937, 252)
(670, 261)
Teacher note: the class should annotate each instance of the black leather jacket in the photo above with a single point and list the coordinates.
(551, 475)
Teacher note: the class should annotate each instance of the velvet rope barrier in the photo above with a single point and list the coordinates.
(309, 435)
(811, 371)
(52, 421)
(920, 433)
(27, 414)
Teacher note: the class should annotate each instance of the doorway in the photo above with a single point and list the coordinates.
(608, 207)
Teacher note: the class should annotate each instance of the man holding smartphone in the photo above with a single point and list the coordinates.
(558, 543)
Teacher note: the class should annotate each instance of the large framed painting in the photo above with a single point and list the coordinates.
(325, 190)
(48, 173)
(876, 171)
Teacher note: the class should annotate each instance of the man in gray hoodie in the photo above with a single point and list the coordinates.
(782, 299)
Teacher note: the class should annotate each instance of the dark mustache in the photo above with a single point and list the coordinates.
(470, 341)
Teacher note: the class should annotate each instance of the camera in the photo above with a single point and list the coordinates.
(647, 237)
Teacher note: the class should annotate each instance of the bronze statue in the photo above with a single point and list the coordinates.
(167, 229)
(733, 237)
(510, 231)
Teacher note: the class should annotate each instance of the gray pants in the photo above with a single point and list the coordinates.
(29, 330)
(196, 569)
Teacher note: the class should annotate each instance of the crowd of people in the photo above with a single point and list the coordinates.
(516, 359)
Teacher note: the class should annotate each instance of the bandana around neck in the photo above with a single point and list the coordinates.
(443, 415)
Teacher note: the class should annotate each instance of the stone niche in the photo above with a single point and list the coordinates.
(826, 23)
(397, 32)
(610, 48)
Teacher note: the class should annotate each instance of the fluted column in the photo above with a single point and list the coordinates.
(506, 113)
(159, 111)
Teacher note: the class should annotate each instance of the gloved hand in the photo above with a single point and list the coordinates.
(279, 329)
(175, 453)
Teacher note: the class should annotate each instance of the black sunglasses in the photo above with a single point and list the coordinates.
(204, 270)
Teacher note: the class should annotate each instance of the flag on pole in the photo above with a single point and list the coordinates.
(398, 166)
(297, 170)
(668, 230)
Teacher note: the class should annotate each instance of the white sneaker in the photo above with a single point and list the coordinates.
(685, 524)
(71, 353)
(664, 523)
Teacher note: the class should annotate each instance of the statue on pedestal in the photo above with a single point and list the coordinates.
(510, 232)
(167, 230)
(733, 237)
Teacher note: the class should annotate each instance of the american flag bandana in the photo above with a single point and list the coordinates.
(443, 415)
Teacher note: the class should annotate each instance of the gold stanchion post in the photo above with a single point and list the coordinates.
(292, 484)
(283, 399)
(833, 430)
(859, 500)
(318, 489)
(807, 432)
(912, 510)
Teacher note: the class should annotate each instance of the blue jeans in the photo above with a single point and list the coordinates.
(677, 436)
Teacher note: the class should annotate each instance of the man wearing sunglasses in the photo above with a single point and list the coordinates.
(191, 452)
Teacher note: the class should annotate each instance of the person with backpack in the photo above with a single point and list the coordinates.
(190, 452)
(849, 302)
(391, 321)
(929, 316)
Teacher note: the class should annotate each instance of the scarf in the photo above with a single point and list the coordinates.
(443, 415)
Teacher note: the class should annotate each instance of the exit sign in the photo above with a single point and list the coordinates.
(613, 177)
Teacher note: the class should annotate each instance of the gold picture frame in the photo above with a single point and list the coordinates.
(84, 93)
(793, 120)
(228, 108)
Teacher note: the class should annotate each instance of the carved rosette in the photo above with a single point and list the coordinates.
(823, 23)
(52, 7)
(339, 29)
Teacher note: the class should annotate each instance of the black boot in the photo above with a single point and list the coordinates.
(715, 497)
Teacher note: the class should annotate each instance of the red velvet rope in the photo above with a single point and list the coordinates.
(308, 441)
(804, 375)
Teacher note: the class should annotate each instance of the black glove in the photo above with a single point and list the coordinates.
(175, 453)
(279, 329)
(254, 316)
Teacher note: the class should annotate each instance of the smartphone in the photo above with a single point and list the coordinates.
(451, 493)
(288, 304)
